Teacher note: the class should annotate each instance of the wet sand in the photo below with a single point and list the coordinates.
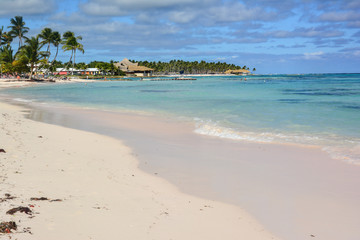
(297, 192)
(102, 193)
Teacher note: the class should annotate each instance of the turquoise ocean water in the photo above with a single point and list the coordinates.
(310, 109)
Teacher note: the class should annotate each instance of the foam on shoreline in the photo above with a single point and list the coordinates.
(103, 194)
(271, 181)
(347, 150)
(294, 191)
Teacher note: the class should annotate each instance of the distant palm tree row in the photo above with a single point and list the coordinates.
(186, 67)
(31, 54)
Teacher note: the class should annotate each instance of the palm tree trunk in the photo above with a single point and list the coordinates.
(48, 51)
(57, 50)
(67, 65)
(31, 71)
(74, 61)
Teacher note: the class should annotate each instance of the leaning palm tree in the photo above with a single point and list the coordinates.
(18, 28)
(47, 38)
(71, 44)
(66, 39)
(56, 40)
(31, 53)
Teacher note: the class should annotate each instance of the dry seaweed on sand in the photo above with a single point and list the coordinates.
(19, 209)
(44, 199)
(6, 227)
(39, 199)
(7, 197)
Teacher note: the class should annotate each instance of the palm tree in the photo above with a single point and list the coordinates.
(56, 40)
(31, 53)
(5, 38)
(47, 38)
(71, 44)
(18, 28)
(7, 59)
(1, 35)
(6, 54)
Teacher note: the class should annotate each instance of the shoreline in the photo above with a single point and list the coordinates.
(274, 189)
(10, 83)
(103, 194)
(271, 181)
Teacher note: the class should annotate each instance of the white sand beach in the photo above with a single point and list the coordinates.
(5, 83)
(108, 191)
(103, 194)
(295, 191)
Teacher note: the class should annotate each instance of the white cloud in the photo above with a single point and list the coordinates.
(354, 24)
(182, 16)
(205, 12)
(313, 55)
(25, 7)
(340, 16)
(305, 33)
(126, 7)
(357, 53)
(97, 9)
(235, 12)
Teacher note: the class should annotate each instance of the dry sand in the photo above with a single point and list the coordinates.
(104, 195)
(296, 191)
(5, 83)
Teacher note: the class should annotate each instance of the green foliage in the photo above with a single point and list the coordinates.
(71, 43)
(106, 67)
(47, 38)
(31, 53)
(7, 54)
(18, 28)
(195, 67)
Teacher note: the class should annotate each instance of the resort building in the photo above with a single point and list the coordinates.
(131, 68)
(88, 71)
(238, 72)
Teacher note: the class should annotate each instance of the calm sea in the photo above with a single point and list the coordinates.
(310, 109)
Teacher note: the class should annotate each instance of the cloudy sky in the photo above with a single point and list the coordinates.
(274, 36)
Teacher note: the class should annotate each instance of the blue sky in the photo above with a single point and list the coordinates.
(274, 36)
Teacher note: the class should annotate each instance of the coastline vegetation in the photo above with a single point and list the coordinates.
(186, 67)
(30, 53)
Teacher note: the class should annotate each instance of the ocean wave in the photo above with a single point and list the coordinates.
(23, 100)
(347, 150)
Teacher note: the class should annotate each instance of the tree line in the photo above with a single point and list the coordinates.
(34, 51)
(186, 67)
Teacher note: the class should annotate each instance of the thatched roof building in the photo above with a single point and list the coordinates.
(133, 68)
(238, 71)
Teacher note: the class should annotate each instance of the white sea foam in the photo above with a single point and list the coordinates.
(22, 100)
(210, 128)
(347, 150)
